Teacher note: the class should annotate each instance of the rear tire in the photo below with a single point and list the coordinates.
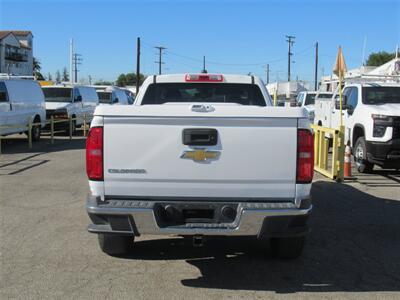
(113, 244)
(287, 247)
(360, 156)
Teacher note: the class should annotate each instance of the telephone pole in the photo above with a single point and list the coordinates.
(137, 65)
(290, 40)
(204, 65)
(77, 60)
(267, 72)
(316, 67)
(160, 62)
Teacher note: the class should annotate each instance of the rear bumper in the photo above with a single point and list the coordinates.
(136, 217)
(386, 154)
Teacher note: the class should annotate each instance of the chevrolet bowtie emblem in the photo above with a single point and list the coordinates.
(200, 155)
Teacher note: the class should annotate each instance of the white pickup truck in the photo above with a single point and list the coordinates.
(199, 155)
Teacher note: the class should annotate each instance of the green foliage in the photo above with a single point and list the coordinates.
(379, 58)
(65, 75)
(36, 65)
(103, 82)
(58, 76)
(49, 77)
(129, 79)
(38, 75)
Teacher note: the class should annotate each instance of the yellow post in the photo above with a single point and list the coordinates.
(84, 125)
(340, 98)
(70, 128)
(30, 133)
(52, 129)
(275, 96)
(341, 154)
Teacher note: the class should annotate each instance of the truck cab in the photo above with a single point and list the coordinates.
(371, 116)
(306, 99)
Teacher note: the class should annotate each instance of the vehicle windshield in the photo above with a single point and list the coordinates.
(57, 94)
(244, 94)
(380, 94)
(310, 99)
(104, 97)
(325, 96)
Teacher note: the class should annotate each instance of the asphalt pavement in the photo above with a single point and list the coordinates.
(352, 252)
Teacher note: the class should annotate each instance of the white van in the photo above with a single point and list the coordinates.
(113, 95)
(21, 100)
(70, 101)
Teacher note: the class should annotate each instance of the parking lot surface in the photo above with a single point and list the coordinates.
(352, 252)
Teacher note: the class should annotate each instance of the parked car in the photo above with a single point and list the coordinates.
(113, 95)
(371, 116)
(198, 155)
(70, 101)
(306, 99)
(21, 100)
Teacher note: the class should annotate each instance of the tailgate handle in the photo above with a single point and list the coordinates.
(200, 137)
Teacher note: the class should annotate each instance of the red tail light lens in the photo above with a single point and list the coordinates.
(305, 156)
(203, 78)
(94, 154)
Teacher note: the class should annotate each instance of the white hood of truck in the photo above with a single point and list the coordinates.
(57, 105)
(390, 109)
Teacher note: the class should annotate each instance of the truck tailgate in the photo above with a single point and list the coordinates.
(253, 158)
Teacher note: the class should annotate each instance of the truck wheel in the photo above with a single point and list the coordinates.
(360, 156)
(113, 244)
(287, 247)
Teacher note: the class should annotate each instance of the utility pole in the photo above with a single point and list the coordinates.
(290, 40)
(137, 65)
(90, 80)
(160, 62)
(77, 60)
(204, 65)
(267, 71)
(316, 67)
(71, 59)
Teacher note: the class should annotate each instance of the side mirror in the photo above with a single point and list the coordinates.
(78, 99)
(350, 109)
(337, 102)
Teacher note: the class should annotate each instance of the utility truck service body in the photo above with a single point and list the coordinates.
(371, 116)
(200, 155)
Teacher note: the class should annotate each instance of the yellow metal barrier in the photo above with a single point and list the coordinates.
(51, 121)
(332, 168)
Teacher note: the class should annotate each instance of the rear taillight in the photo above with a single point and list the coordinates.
(305, 156)
(94, 154)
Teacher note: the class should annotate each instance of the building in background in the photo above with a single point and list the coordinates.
(287, 91)
(16, 55)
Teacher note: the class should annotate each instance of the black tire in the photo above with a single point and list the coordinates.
(287, 247)
(36, 130)
(360, 156)
(113, 244)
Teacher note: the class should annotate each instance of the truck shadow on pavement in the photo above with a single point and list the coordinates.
(354, 246)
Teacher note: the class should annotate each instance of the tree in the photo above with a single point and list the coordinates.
(65, 76)
(129, 79)
(121, 81)
(103, 82)
(49, 77)
(379, 58)
(58, 76)
(36, 65)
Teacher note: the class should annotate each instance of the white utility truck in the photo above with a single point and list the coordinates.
(21, 101)
(371, 116)
(198, 155)
(75, 101)
(113, 96)
(306, 99)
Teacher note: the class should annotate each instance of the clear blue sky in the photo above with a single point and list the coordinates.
(235, 36)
